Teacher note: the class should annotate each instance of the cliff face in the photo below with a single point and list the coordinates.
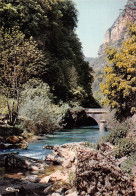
(117, 32)
(115, 35)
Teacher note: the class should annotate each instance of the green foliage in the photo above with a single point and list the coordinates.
(125, 147)
(119, 131)
(120, 74)
(76, 109)
(38, 40)
(37, 111)
(72, 76)
(92, 145)
(98, 64)
(29, 15)
(3, 105)
(20, 59)
(128, 164)
(52, 24)
(9, 131)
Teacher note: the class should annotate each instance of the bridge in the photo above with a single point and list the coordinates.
(99, 115)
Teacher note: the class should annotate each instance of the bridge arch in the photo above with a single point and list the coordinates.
(93, 118)
(98, 114)
(91, 121)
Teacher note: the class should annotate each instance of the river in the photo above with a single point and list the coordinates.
(90, 134)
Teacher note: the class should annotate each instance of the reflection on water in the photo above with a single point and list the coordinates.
(90, 134)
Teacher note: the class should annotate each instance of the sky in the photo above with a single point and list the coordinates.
(94, 19)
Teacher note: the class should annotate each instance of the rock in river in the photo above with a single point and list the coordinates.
(21, 162)
(50, 147)
(15, 187)
(12, 139)
(22, 145)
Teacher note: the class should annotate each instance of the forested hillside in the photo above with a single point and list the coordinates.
(52, 24)
(42, 67)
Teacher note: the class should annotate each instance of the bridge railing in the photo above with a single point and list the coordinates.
(96, 110)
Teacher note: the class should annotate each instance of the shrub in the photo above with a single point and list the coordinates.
(38, 111)
(128, 164)
(3, 105)
(124, 148)
(10, 130)
(121, 130)
(92, 145)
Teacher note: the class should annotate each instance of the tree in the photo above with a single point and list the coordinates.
(120, 74)
(29, 15)
(20, 59)
(52, 24)
(37, 110)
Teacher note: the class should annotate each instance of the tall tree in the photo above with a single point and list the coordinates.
(120, 74)
(20, 59)
(52, 24)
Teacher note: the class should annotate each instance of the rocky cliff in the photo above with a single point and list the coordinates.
(114, 36)
(117, 32)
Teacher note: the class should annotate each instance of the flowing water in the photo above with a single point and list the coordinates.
(90, 134)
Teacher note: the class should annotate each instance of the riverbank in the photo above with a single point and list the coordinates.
(35, 147)
(18, 137)
(79, 169)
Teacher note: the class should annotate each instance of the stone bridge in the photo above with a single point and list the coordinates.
(98, 114)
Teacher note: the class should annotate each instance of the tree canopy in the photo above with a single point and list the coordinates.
(20, 59)
(120, 86)
(52, 25)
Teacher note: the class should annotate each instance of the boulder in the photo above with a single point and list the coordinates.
(56, 176)
(16, 187)
(21, 162)
(71, 193)
(62, 155)
(23, 145)
(54, 159)
(11, 190)
(59, 176)
(45, 179)
(50, 147)
(58, 187)
(98, 174)
(32, 178)
(12, 140)
(4, 155)
(48, 190)
(21, 139)
(55, 194)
